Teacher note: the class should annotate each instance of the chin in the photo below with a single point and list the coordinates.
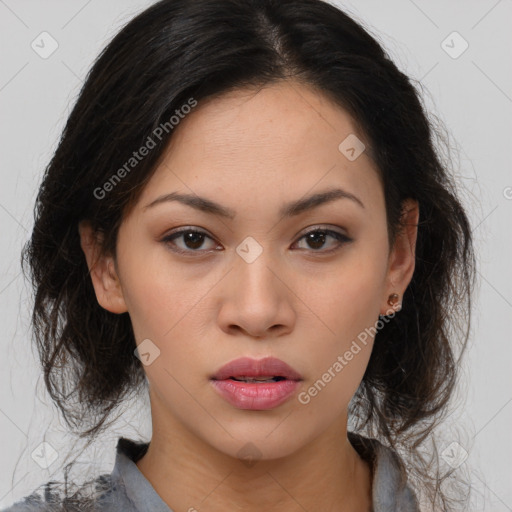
(255, 442)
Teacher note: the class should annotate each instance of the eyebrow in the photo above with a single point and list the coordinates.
(290, 209)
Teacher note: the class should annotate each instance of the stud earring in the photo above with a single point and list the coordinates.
(393, 299)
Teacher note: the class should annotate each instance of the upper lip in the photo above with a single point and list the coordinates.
(248, 367)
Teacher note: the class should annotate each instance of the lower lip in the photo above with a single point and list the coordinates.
(248, 395)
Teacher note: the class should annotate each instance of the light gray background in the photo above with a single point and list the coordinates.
(471, 94)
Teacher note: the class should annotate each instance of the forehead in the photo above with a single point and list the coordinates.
(281, 116)
(269, 141)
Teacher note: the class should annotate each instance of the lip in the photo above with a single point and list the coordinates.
(256, 396)
(246, 366)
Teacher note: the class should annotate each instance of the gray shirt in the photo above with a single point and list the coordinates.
(127, 490)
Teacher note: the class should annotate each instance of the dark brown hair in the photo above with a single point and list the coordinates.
(181, 49)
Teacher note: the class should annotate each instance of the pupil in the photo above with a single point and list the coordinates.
(193, 240)
(313, 236)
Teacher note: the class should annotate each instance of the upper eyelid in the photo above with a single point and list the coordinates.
(305, 231)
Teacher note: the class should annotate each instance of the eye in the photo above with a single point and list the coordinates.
(316, 239)
(191, 239)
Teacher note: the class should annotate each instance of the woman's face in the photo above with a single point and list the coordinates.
(254, 284)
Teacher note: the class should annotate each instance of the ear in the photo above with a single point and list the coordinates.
(401, 261)
(102, 270)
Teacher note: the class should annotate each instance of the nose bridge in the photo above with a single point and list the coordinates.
(253, 268)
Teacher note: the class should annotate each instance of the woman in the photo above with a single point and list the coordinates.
(246, 217)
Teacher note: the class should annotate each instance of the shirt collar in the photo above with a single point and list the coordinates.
(390, 492)
(126, 473)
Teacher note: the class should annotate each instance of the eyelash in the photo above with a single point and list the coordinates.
(340, 237)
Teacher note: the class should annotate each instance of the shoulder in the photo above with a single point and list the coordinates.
(42, 499)
(54, 497)
(105, 493)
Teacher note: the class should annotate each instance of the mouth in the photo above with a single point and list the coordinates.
(258, 379)
(259, 370)
(253, 384)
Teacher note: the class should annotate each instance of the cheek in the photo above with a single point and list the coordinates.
(348, 296)
(346, 303)
(156, 292)
(167, 306)
(148, 301)
(360, 293)
(342, 343)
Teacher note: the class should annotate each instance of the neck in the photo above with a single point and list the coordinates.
(326, 474)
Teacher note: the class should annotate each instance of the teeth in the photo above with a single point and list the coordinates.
(257, 379)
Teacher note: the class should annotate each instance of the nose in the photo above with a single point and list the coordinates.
(256, 299)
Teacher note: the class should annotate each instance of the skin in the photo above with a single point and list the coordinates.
(253, 151)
